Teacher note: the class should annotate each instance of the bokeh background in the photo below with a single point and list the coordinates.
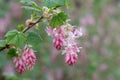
(99, 58)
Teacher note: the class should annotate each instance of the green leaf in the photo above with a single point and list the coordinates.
(53, 3)
(21, 27)
(36, 6)
(12, 53)
(32, 5)
(2, 43)
(15, 37)
(31, 8)
(33, 38)
(58, 20)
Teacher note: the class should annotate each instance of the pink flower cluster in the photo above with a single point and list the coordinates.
(64, 38)
(26, 60)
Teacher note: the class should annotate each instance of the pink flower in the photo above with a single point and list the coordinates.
(26, 60)
(71, 54)
(57, 36)
(71, 59)
(78, 32)
(58, 43)
(19, 64)
(30, 59)
(64, 38)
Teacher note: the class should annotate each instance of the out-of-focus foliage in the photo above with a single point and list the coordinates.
(99, 58)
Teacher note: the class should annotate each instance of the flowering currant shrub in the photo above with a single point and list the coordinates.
(64, 35)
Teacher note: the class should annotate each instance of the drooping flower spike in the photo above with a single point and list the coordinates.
(26, 60)
(20, 64)
(30, 59)
(64, 37)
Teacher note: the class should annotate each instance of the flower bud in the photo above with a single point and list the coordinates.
(58, 43)
(71, 59)
(29, 22)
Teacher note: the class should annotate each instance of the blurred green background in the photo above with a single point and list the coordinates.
(99, 58)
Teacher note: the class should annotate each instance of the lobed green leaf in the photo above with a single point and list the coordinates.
(58, 20)
(31, 8)
(15, 37)
(33, 38)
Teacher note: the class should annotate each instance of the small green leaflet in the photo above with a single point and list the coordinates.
(53, 3)
(12, 53)
(2, 43)
(58, 20)
(15, 37)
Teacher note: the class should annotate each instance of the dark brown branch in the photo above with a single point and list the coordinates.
(24, 31)
(1, 49)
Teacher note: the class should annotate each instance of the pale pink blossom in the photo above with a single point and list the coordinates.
(78, 32)
(57, 36)
(64, 37)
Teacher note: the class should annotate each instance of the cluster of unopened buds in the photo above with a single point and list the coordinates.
(64, 37)
(25, 60)
(47, 13)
